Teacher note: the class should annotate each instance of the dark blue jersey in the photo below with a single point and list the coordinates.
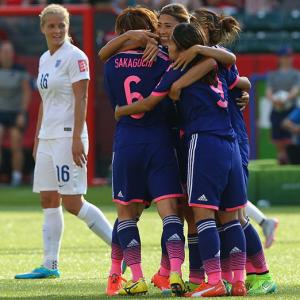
(237, 118)
(129, 78)
(202, 108)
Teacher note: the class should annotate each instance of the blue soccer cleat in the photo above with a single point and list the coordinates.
(39, 273)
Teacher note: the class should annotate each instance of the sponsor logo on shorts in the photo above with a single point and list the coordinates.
(174, 237)
(67, 129)
(202, 198)
(120, 194)
(133, 243)
(235, 250)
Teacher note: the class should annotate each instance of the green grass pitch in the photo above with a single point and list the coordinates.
(84, 259)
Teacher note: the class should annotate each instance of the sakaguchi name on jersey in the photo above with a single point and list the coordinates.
(132, 63)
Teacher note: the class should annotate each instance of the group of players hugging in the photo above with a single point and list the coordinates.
(173, 86)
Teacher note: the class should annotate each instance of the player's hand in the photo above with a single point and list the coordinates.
(174, 92)
(243, 101)
(79, 156)
(117, 117)
(141, 36)
(151, 50)
(36, 142)
(184, 58)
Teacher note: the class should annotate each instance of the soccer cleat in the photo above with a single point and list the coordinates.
(208, 290)
(114, 284)
(238, 289)
(177, 285)
(250, 279)
(269, 227)
(161, 282)
(133, 288)
(262, 285)
(190, 286)
(228, 287)
(39, 273)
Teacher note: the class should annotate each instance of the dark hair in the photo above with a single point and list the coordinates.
(177, 11)
(134, 18)
(186, 35)
(221, 29)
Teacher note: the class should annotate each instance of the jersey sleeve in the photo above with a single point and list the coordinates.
(78, 68)
(169, 77)
(232, 77)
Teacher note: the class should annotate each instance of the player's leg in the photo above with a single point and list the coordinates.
(45, 182)
(196, 271)
(268, 225)
(164, 186)
(130, 194)
(72, 184)
(206, 173)
(259, 280)
(173, 239)
(1, 139)
(130, 241)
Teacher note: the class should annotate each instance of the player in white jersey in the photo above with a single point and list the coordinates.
(61, 142)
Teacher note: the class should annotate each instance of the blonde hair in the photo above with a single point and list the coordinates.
(55, 9)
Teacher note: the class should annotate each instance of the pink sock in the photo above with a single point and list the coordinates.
(115, 267)
(136, 271)
(176, 265)
(214, 278)
(250, 268)
(238, 275)
(228, 276)
(164, 272)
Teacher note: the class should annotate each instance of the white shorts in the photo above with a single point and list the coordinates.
(55, 169)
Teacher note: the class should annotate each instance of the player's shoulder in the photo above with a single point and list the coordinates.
(71, 51)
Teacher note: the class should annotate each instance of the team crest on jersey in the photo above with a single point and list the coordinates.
(83, 66)
(57, 63)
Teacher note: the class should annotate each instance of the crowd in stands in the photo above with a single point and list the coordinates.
(226, 6)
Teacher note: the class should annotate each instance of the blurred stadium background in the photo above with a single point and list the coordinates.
(267, 26)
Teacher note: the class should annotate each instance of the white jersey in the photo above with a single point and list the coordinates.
(57, 72)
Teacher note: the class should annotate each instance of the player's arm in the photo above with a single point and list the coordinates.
(80, 90)
(143, 105)
(37, 130)
(243, 83)
(195, 73)
(129, 40)
(221, 55)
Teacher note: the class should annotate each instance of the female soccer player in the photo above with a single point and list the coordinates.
(220, 30)
(214, 166)
(61, 142)
(144, 162)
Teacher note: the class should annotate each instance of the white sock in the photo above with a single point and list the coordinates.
(96, 221)
(52, 233)
(254, 213)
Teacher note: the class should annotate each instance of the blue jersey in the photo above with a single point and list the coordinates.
(202, 108)
(237, 118)
(129, 78)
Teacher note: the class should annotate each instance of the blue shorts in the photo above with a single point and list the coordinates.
(244, 151)
(145, 172)
(215, 176)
